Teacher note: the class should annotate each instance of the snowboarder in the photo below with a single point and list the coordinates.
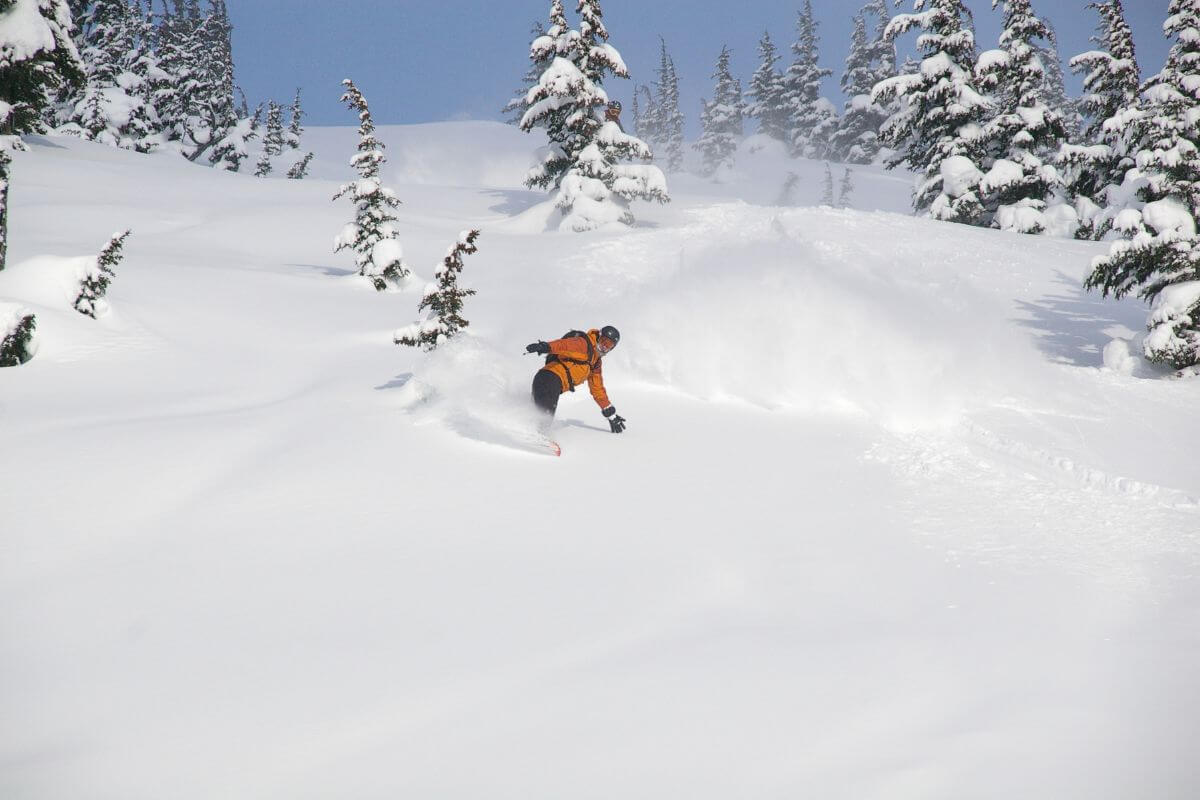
(612, 113)
(570, 361)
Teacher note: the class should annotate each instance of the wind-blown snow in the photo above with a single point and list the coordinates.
(890, 519)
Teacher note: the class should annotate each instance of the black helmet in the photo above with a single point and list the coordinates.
(614, 105)
(612, 334)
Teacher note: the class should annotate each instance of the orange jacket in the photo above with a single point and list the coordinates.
(579, 361)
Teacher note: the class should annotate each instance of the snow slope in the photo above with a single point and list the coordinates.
(882, 525)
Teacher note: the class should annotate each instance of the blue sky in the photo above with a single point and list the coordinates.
(427, 60)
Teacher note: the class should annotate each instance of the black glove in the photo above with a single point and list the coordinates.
(540, 348)
(615, 421)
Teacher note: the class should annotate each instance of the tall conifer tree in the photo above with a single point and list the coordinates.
(1024, 132)
(812, 119)
(871, 61)
(766, 87)
(372, 236)
(721, 120)
(1095, 167)
(940, 111)
(1160, 256)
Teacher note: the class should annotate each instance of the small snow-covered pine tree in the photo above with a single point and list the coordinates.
(669, 143)
(766, 87)
(94, 283)
(721, 120)
(827, 187)
(444, 299)
(295, 128)
(940, 112)
(871, 60)
(299, 170)
(1159, 257)
(1095, 167)
(273, 139)
(1024, 133)
(812, 119)
(372, 236)
(647, 124)
(787, 194)
(17, 327)
(845, 189)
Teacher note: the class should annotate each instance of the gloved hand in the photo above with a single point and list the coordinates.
(538, 347)
(615, 421)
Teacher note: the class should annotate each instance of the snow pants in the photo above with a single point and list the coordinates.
(546, 390)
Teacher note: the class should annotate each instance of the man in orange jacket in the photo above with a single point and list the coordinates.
(570, 361)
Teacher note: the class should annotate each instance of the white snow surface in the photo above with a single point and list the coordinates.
(886, 521)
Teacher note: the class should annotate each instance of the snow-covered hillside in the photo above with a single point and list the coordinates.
(883, 525)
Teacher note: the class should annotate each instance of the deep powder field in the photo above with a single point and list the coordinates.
(884, 524)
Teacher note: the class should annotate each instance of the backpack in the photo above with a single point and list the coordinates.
(552, 358)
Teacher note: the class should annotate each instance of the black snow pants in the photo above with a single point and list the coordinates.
(546, 390)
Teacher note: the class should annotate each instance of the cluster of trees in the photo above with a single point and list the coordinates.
(993, 136)
(375, 240)
(156, 79)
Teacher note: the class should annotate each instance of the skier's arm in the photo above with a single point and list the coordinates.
(596, 387)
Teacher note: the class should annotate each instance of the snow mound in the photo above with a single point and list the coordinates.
(816, 310)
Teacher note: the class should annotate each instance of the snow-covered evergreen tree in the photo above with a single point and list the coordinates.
(37, 58)
(585, 149)
(1024, 133)
(299, 170)
(597, 189)
(295, 129)
(444, 299)
(372, 236)
(812, 119)
(554, 104)
(787, 194)
(721, 120)
(1095, 167)
(1160, 256)
(516, 107)
(273, 139)
(1055, 94)
(845, 189)
(17, 326)
(827, 187)
(234, 147)
(94, 283)
(647, 120)
(668, 145)
(936, 128)
(871, 61)
(766, 87)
